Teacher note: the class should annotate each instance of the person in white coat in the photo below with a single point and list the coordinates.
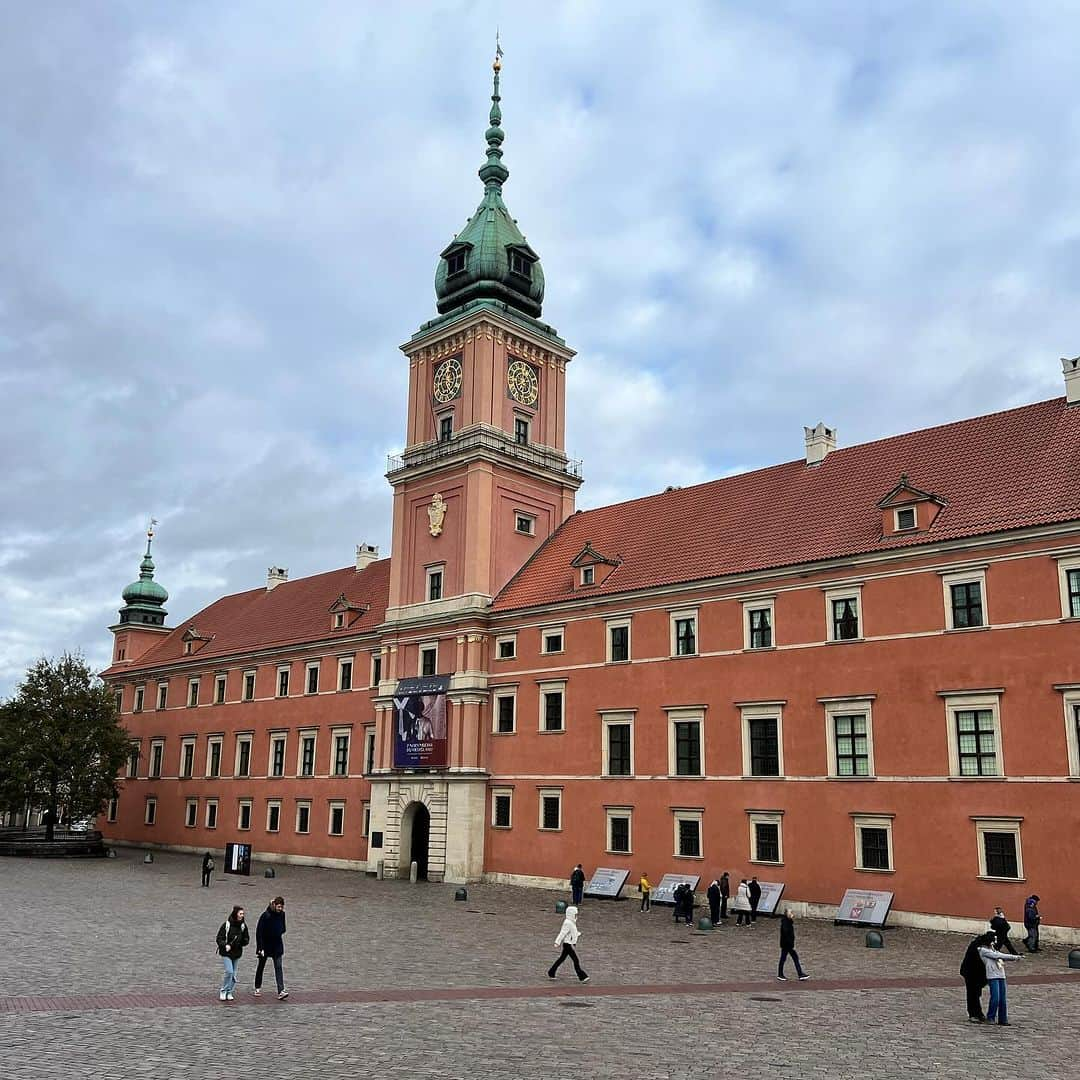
(741, 907)
(567, 939)
(995, 974)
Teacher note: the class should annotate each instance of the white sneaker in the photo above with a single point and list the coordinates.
(282, 995)
(230, 997)
(258, 992)
(222, 996)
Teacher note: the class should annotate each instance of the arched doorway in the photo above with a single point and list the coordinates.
(415, 834)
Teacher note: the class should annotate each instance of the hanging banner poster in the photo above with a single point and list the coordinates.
(664, 893)
(862, 908)
(606, 882)
(420, 722)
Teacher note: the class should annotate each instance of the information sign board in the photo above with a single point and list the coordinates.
(863, 908)
(238, 859)
(606, 882)
(771, 891)
(663, 892)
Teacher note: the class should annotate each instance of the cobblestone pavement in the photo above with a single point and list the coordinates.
(389, 979)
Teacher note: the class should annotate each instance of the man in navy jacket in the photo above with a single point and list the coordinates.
(269, 945)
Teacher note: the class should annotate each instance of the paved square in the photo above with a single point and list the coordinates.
(111, 971)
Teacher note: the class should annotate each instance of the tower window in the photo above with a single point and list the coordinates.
(435, 584)
(519, 264)
(521, 432)
(446, 428)
(455, 263)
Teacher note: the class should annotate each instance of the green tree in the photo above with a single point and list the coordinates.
(61, 742)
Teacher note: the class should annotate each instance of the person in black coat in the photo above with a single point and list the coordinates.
(207, 868)
(714, 902)
(269, 945)
(688, 905)
(725, 892)
(1000, 925)
(787, 947)
(232, 936)
(677, 901)
(577, 885)
(973, 972)
(755, 897)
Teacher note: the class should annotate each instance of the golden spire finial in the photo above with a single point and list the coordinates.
(497, 65)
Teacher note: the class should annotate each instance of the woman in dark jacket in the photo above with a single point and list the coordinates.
(269, 932)
(207, 868)
(232, 936)
(973, 971)
(714, 903)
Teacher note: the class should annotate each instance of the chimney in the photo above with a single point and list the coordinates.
(819, 441)
(275, 576)
(1072, 380)
(366, 554)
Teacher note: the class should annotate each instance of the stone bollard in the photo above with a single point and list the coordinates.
(704, 924)
(461, 894)
(148, 857)
(1074, 958)
(379, 869)
(874, 940)
(110, 853)
(414, 872)
(269, 872)
(560, 907)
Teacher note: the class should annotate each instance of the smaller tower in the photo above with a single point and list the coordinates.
(142, 618)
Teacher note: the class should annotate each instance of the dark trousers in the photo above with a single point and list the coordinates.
(723, 907)
(714, 911)
(576, 891)
(1031, 942)
(753, 910)
(567, 951)
(1004, 944)
(206, 878)
(279, 974)
(742, 917)
(646, 901)
(974, 998)
(784, 954)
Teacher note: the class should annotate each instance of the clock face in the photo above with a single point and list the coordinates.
(447, 383)
(522, 383)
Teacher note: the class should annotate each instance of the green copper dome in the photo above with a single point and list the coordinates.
(489, 258)
(143, 599)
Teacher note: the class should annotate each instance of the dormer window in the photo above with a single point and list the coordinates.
(588, 575)
(520, 264)
(455, 263)
(905, 518)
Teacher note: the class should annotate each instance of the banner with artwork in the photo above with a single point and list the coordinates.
(420, 722)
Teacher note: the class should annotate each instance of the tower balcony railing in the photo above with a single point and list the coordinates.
(529, 453)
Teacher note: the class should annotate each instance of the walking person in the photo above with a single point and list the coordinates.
(577, 885)
(1000, 925)
(995, 975)
(207, 869)
(787, 947)
(1032, 918)
(714, 902)
(645, 887)
(567, 939)
(269, 931)
(973, 972)
(742, 904)
(754, 889)
(725, 892)
(232, 936)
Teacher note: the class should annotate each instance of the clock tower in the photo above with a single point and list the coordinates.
(482, 482)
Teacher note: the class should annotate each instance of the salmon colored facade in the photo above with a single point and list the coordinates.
(857, 670)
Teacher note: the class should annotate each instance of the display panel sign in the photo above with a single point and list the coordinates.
(420, 722)
(664, 893)
(606, 882)
(238, 859)
(771, 891)
(864, 908)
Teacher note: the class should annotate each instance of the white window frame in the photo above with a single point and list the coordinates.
(335, 734)
(1064, 566)
(626, 622)
(339, 620)
(134, 751)
(286, 669)
(245, 737)
(873, 821)
(694, 714)
(158, 744)
(519, 517)
(343, 663)
(185, 742)
(960, 702)
(376, 658)
(678, 815)
(548, 793)
(607, 721)
(118, 699)
(508, 794)
(240, 806)
(162, 695)
(302, 804)
(370, 747)
(332, 805)
(544, 632)
(675, 617)
(302, 734)
(193, 692)
(498, 695)
(221, 683)
(963, 577)
(150, 811)
(283, 738)
(211, 742)
(763, 603)
(835, 707)
(897, 527)
(309, 667)
(985, 825)
(587, 575)
(250, 673)
(1071, 700)
(551, 686)
(849, 592)
(191, 813)
(506, 639)
(140, 698)
(766, 817)
(423, 647)
(211, 804)
(435, 570)
(765, 710)
(365, 819)
(271, 805)
(627, 812)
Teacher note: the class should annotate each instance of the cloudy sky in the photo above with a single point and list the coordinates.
(219, 220)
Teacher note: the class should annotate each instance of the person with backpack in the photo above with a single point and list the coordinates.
(232, 936)
(269, 931)
(207, 869)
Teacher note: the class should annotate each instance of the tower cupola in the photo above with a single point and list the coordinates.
(144, 599)
(490, 259)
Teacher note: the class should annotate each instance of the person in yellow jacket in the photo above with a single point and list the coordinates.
(645, 888)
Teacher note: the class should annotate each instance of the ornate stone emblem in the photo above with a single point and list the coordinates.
(436, 512)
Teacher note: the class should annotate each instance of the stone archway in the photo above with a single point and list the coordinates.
(414, 840)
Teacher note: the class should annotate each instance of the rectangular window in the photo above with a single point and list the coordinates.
(1072, 729)
(312, 679)
(588, 575)
(1072, 587)
(219, 689)
(446, 427)
(525, 524)
(521, 431)
(376, 670)
(118, 700)
(764, 746)
(187, 758)
(157, 753)
(435, 584)
(905, 518)
(852, 744)
(618, 642)
(243, 816)
(133, 760)
(429, 660)
(345, 674)
(307, 756)
(845, 618)
(552, 705)
(766, 836)
(505, 707)
(283, 682)
(758, 624)
(249, 685)
(114, 805)
(150, 813)
(162, 694)
(369, 750)
(501, 807)
(339, 619)
(337, 819)
(506, 647)
(365, 819)
(140, 694)
(243, 755)
(551, 810)
(618, 831)
(193, 693)
(191, 813)
(684, 633)
(966, 601)
(619, 741)
(341, 754)
(303, 817)
(976, 742)
(273, 816)
(277, 755)
(1000, 854)
(687, 747)
(211, 813)
(874, 848)
(688, 834)
(552, 641)
(213, 756)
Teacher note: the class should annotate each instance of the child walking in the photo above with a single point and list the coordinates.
(568, 938)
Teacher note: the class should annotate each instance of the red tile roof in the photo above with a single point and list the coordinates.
(292, 613)
(1008, 470)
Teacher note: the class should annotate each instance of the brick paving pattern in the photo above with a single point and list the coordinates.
(110, 970)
